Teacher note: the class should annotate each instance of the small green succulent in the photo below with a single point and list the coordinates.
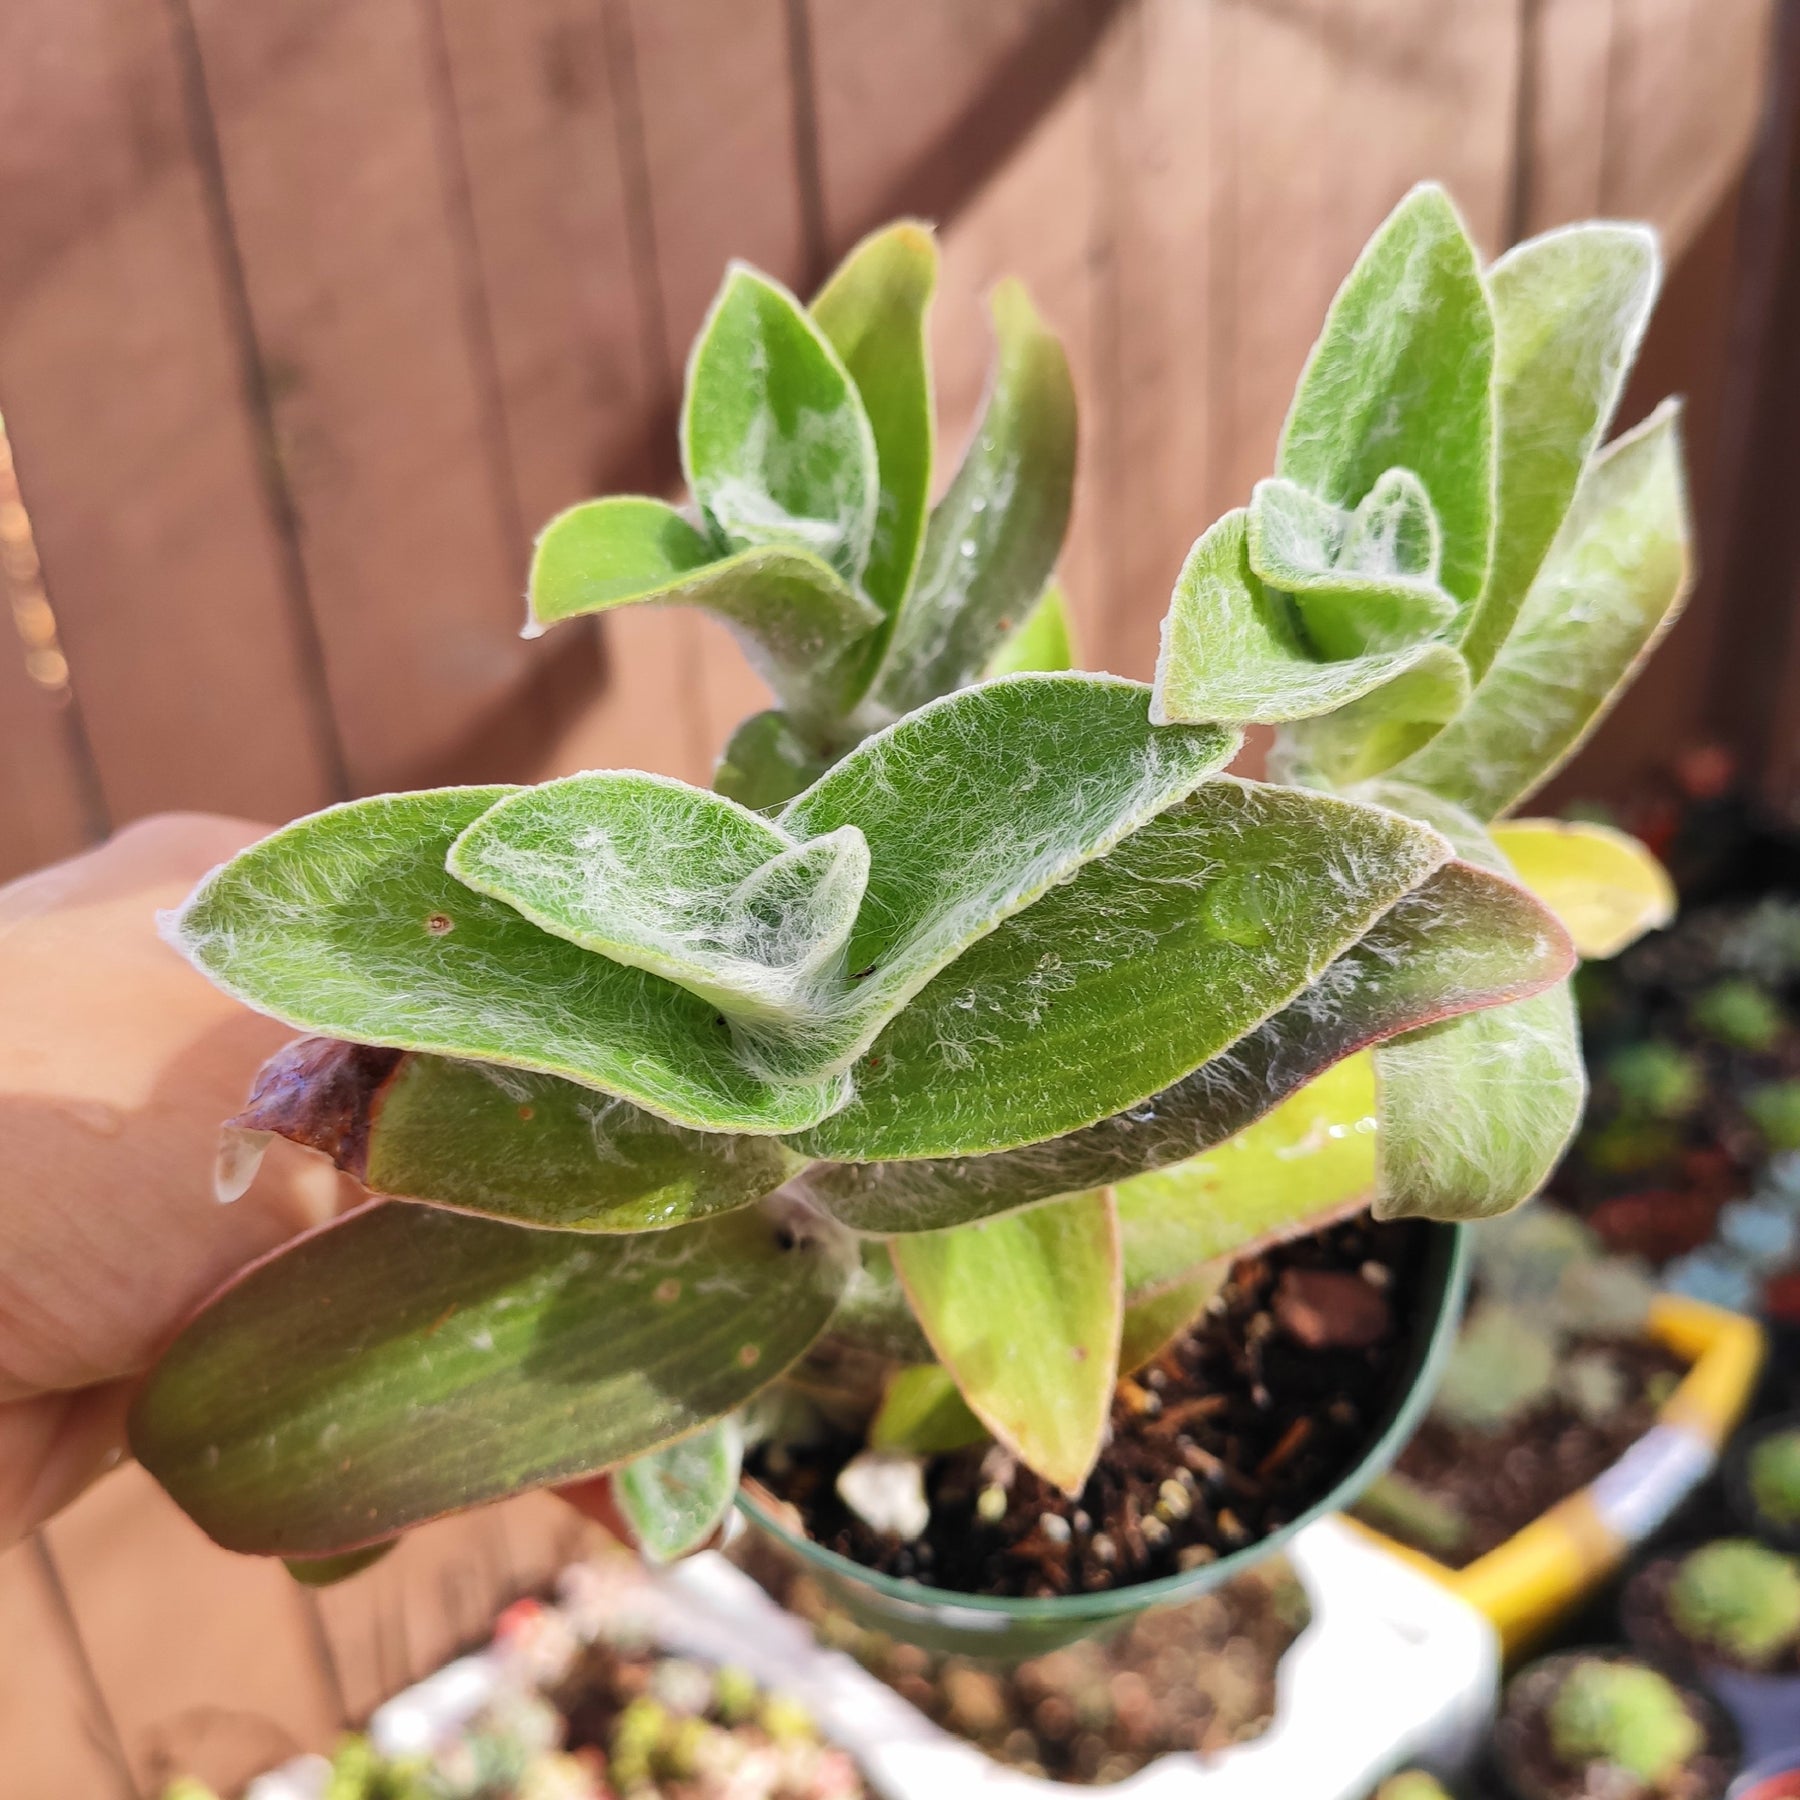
(1774, 1474)
(1740, 1597)
(1740, 1013)
(1503, 1364)
(1413, 1784)
(1775, 1109)
(1626, 1715)
(1656, 1080)
(940, 1006)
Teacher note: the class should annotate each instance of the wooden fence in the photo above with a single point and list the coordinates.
(310, 310)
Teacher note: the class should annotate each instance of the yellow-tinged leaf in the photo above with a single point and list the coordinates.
(1311, 1156)
(1603, 884)
(1025, 1311)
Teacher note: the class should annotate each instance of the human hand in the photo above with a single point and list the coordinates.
(118, 1063)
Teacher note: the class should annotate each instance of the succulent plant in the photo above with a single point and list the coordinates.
(1413, 1784)
(1775, 1110)
(948, 959)
(1656, 1080)
(1545, 1281)
(1626, 1715)
(1774, 1475)
(1740, 1597)
(1740, 1013)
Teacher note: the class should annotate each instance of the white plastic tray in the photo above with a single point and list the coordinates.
(1392, 1670)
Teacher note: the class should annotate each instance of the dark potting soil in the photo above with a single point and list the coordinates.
(1196, 1677)
(648, 1724)
(1240, 1425)
(1498, 1482)
(1532, 1769)
(1649, 1624)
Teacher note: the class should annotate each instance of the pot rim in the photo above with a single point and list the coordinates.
(1737, 1483)
(1446, 1279)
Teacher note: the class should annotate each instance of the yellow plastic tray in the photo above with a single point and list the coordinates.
(1527, 1583)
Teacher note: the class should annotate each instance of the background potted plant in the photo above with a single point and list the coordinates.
(1593, 1723)
(1577, 1410)
(846, 1069)
(1763, 1481)
(1729, 1610)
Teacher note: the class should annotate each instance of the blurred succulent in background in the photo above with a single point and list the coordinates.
(1740, 1013)
(950, 960)
(1626, 1716)
(1774, 1476)
(1739, 1597)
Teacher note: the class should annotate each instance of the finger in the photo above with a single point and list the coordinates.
(52, 1448)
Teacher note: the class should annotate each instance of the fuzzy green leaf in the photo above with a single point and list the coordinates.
(1153, 1319)
(922, 1414)
(872, 312)
(676, 880)
(766, 763)
(1463, 939)
(1365, 737)
(401, 1363)
(1475, 1111)
(1400, 378)
(801, 627)
(512, 1145)
(1043, 644)
(775, 443)
(1025, 1314)
(1611, 585)
(1156, 1321)
(1233, 649)
(347, 924)
(1199, 926)
(1360, 582)
(993, 539)
(972, 807)
(675, 1497)
(1311, 1157)
(1570, 309)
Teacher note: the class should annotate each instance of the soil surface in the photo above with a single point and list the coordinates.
(1531, 1767)
(1197, 1677)
(666, 1728)
(1498, 1482)
(1240, 1425)
(1648, 1623)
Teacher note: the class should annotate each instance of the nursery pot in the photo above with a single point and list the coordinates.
(1776, 1779)
(1765, 1708)
(1737, 1485)
(1011, 1629)
(1518, 1763)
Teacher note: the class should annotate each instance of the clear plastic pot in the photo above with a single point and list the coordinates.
(1011, 1629)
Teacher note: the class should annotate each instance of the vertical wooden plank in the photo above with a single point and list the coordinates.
(203, 1657)
(916, 101)
(49, 798)
(1419, 91)
(44, 811)
(1034, 218)
(1683, 98)
(345, 193)
(122, 378)
(716, 96)
(437, 1595)
(1562, 136)
(535, 89)
(57, 1737)
(1149, 436)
